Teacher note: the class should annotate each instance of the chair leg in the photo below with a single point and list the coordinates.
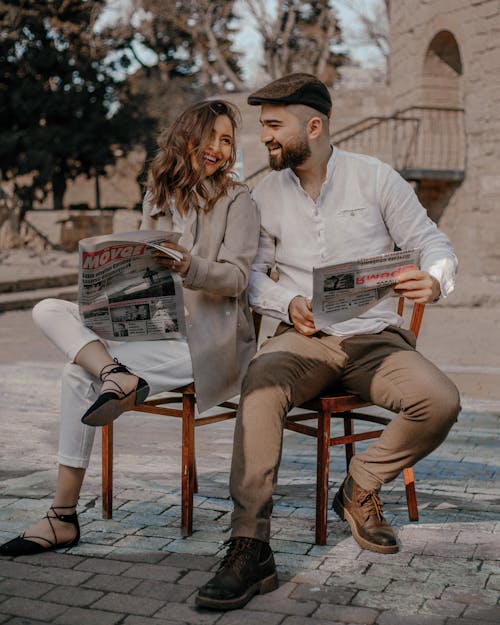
(107, 471)
(349, 447)
(411, 495)
(195, 478)
(188, 468)
(322, 476)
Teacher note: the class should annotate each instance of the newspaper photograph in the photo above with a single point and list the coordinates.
(124, 294)
(346, 290)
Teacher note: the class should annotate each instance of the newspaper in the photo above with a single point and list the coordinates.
(124, 294)
(346, 290)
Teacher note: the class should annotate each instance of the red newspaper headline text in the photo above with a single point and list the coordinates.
(94, 260)
(384, 276)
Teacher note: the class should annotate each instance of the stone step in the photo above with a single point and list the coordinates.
(27, 299)
(38, 282)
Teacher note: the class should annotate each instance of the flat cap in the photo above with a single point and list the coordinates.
(296, 88)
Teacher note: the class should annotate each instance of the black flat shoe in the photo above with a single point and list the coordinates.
(22, 546)
(110, 404)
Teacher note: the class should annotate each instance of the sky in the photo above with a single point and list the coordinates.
(246, 40)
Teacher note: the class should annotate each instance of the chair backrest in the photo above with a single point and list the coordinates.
(417, 315)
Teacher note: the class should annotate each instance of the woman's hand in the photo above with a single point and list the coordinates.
(179, 266)
(418, 286)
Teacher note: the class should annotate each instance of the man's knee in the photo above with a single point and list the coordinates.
(439, 404)
(278, 369)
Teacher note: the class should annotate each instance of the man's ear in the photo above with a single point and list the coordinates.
(315, 127)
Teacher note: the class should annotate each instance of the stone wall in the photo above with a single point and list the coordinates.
(427, 74)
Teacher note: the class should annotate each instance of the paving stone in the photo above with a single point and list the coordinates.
(195, 578)
(105, 567)
(442, 606)
(24, 588)
(142, 543)
(299, 620)
(127, 555)
(49, 574)
(494, 582)
(189, 561)
(487, 615)
(19, 621)
(187, 614)
(469, 595)
(245, 617)
(163, 591)
(270, 603)
(128, 604)
(395, 618)
(52, 558)
(323, 594)
(413, 588)
(24, 607)
(402, 604)
(348, 614)
(80, 616)
(311, 577)
(145, 620)
(73, 596)
(193, 547)
(112, 583)
(153, 571)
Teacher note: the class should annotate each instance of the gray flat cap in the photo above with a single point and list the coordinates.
(297, 88)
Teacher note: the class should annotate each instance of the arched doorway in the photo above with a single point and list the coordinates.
(442, 71)
(441, 142)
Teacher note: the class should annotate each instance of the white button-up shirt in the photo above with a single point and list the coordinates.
(364, 209)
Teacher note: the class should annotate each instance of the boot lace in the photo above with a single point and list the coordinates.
(370, 502)
(240, 552)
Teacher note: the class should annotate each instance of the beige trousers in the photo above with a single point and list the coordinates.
(290, 368)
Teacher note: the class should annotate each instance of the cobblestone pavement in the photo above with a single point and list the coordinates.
(136, 569)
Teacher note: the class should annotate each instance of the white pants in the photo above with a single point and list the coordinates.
(164, 364)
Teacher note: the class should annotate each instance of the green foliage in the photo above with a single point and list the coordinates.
(63, 111)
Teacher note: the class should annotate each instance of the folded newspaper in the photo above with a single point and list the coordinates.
(344, 291)
(124, 294)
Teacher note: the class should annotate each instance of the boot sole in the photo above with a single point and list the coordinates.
(362, 542)
(263, 586)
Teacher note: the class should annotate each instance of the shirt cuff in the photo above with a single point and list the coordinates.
(444, 271)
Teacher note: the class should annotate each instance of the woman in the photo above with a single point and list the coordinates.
(190, 191)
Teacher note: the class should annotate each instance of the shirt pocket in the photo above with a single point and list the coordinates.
(353, 211)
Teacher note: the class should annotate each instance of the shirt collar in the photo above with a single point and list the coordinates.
(330, 166)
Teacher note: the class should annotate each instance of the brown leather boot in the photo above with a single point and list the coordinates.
(362, 509)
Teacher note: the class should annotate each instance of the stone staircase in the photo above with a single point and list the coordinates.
(25, 292)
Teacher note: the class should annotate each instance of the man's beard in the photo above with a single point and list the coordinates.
(294, 154)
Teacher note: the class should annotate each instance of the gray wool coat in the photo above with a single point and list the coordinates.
(223, 243)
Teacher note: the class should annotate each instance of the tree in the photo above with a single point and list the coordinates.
(63, 111)
(371, 27)
(299, 37)
(190, 38)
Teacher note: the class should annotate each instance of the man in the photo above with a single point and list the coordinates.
(321, 206)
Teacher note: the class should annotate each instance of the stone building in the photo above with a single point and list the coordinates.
(446, 53)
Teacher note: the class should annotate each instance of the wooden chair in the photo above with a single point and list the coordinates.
(165, 405)
(339, 405)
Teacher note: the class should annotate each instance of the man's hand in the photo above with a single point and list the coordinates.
(418, 286)
(300, 311)
(180, 266)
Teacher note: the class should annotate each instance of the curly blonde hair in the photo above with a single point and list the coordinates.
(172, 175)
